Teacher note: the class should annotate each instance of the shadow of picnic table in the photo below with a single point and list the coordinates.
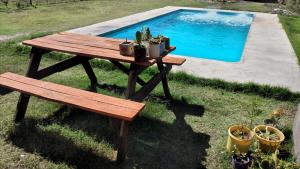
(152, 142)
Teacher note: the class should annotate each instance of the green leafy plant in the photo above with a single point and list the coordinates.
(271, 161)
(267, 134)
(240, 160)
(242, 133)
(155, 40)
(253, 112)
(275, 117)
(146, 34)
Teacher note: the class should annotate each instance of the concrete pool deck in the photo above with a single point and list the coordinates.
(268, 56)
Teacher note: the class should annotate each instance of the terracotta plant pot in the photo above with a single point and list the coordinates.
(242, 145)
(126, 48)
(268, 145)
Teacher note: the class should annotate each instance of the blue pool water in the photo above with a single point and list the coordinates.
(200, 34)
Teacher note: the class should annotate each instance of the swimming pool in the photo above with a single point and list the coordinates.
(198, 33)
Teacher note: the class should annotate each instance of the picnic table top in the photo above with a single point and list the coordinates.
(92, 46)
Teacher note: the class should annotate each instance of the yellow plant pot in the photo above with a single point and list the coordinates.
(241, 144)
(268, 145)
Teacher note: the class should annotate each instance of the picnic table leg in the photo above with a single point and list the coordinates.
(89, 71)
(161, 68)
(123, 141)
(35, 59)
(132, 78)
(130, 90)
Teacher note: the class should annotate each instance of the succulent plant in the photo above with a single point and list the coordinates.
(138, 37)
(148, 33)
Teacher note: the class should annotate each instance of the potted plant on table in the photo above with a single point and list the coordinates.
(166, 40)
(126, 48)
(154, 48)
(146, 34)
(146, 37)
(162, 44)
(139, 49)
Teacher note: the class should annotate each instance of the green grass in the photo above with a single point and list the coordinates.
(188, 132)
(291, 25)
(64, 16)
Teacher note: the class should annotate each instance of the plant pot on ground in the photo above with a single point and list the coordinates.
(239, 137)
(139, 49)
(241, 161)
(269, 138)
(126, 48)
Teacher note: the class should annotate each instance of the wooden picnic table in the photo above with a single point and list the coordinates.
(85, 48)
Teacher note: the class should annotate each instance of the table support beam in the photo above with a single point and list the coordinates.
(89, 71)
(35, 59)
(126, 70)
(123, 141)
(61, 66)
(164, 81)
(150, 85)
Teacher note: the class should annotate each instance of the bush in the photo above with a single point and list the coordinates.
(294, 5)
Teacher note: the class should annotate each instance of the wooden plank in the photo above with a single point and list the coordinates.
(89, 37)
(173, 60)
(109, 106)
(33, 66)
(97, 44)
(61, 66)
(151, 84)
(79, 46)
(92, 46)
(126, 70)
(70, 90)
(86, 53)
(113, 41)
(122, 142)
(93, 106)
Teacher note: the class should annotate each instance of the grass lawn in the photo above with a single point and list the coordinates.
(291, 25)
(188, 132)
(65, 16)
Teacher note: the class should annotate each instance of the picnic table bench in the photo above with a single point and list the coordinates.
(85, 48)
(125, 110)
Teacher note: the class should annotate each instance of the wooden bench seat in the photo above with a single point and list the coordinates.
(172, 60)
(124, 110)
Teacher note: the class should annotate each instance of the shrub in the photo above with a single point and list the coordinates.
(294, 5)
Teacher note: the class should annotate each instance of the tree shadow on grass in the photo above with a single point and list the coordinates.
(4, 91)
(152, 142)
(161, 145)
(51, 145)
